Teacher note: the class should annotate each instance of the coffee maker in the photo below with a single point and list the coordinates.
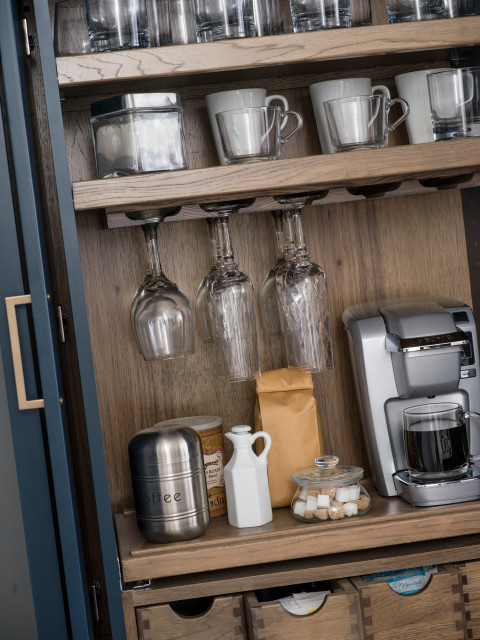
(410, 352)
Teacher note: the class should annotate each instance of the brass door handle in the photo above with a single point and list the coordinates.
(23, 403)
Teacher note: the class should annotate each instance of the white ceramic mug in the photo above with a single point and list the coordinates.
(321, 92)
(236, 99)
(413, 88)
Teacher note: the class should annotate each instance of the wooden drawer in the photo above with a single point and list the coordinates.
(434, 613)
(337, 619)
(223, 620)
(470, 572)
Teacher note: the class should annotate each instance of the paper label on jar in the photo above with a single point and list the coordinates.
(213, 461)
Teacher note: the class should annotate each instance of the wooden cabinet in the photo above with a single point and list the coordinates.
(411, 242)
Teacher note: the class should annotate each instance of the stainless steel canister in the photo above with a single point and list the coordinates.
(169, 487)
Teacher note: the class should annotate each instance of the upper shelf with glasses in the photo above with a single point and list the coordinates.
(153, 68)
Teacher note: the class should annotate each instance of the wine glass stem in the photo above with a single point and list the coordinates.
(301, 252)
(153, 257)
(279, 235)
(288, 236)
(225, 253)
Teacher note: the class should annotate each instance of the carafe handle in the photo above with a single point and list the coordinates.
(268, 443)
(476, 415)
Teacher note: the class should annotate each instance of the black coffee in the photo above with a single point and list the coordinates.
(436, 447)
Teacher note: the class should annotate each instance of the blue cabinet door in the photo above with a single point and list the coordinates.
(12, 58)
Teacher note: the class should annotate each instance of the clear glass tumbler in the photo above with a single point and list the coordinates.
(117, 24)
(312, 15)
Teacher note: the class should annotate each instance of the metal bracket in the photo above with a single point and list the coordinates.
(96, 598)
(62, 323)
(135, 585)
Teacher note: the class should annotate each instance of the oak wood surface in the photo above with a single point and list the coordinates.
(338, 618)
(312, 569)
(436, 612)
(391, 521)
(470, 574)
(223, 620)
(277, 177)
(272, 51)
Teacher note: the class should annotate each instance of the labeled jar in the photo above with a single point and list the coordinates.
(138, 133)
(329, 491)
(209, 428)
(168, 480)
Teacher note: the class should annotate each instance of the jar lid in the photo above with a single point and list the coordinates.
(327, 472)
(164, 445)
(135, 101)
(196, 422)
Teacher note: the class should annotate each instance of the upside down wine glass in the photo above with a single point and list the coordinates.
(161, 314)
(227, 301)
(302, 294)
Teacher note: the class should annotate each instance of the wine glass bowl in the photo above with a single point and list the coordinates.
(162, 316)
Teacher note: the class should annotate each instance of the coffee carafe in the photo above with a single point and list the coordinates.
(415, 365)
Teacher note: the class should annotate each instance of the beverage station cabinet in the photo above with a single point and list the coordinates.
(394, 224)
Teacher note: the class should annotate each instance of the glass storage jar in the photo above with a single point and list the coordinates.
(138, 133)
(329, 491)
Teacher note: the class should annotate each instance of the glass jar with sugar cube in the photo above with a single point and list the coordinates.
(329, 491)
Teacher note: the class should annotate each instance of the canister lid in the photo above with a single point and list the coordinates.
(135, 101)
(165, 445)
(327, 472)
(196, 422)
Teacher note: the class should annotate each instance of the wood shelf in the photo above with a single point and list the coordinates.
(312, 173)
(79, 75)
(391, 521)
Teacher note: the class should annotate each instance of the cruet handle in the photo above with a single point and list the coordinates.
(268, 443)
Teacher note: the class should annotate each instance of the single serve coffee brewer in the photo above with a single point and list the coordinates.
(416, 370)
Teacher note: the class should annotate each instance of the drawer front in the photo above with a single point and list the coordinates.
(470, 572)
(337, 619)
(224, 620)
(434, 613)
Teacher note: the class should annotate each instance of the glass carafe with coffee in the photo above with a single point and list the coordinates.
(436, 441)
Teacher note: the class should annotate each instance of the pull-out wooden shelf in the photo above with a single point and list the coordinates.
(79, 75)
(295, 175)
(391, 521)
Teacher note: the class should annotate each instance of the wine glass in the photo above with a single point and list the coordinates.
(302, 294)
(162, 316)
(203, 310)
(229, 303)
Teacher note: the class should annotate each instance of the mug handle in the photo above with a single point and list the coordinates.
(284, 101)
(406, 111)
(382, 89)
(297, 128)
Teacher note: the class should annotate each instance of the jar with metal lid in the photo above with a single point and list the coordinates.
(168, 479)
(329, 491)
(138, 133)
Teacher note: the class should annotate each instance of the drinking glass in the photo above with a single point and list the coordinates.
(253, 133)
(70, 28)
(117, 24)
(302, 294)
(159, 24)
(455, 102)
(413, 10)
(162, 316)
(221, 19)
(361, 122)
(231, 303)
(312, 15)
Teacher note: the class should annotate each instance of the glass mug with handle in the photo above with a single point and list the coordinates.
(436, 441)
(361, 122)
(321, 92)
(237, 99)
(253, 134)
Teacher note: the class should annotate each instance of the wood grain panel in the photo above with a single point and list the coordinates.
(470, 575)
(338, 618)
(370, 250)
(272, 51)
(294, 175)
(434, 613)
(391, 521)
(223, 620)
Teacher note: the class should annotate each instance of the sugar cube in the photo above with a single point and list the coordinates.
(311, 503)
(350, 509)
(299, 508)
(323, 501)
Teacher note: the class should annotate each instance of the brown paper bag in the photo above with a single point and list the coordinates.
(287, 410)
